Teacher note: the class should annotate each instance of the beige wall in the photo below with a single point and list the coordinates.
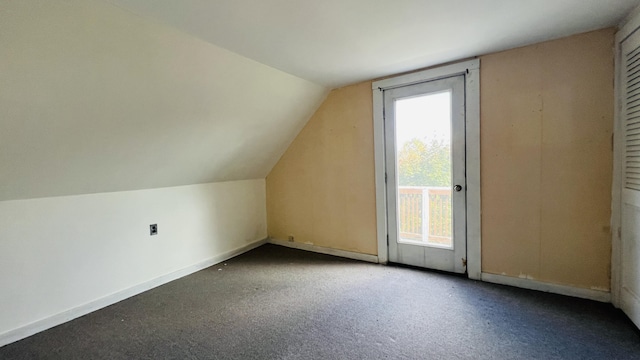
(546, 160)
(546, 163)
(322, 189)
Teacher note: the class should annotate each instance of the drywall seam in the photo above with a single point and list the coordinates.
(324, 250)
(597, 295)
(65, 316)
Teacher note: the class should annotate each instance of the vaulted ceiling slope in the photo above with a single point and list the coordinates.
(94, 98)
(338, 42)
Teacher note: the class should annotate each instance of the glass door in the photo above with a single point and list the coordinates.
(425, 147)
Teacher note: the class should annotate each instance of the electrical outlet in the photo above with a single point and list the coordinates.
(290, 238)
(153, 229)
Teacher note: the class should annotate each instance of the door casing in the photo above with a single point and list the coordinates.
(618, 239)
(471, 72)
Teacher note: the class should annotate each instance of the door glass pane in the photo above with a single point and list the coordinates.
(423, 148)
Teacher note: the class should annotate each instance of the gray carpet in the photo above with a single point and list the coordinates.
(280, 303)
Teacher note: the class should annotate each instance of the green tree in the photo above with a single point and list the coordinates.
(424, 163)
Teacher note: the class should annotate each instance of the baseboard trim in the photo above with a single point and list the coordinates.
(597, 295)
(65, 316)
(325, 250)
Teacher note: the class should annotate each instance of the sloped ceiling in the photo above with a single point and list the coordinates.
(95, 99)
(338, 42)
(112, 95)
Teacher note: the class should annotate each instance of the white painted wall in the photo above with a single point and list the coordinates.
(96, 99)
(76, 253)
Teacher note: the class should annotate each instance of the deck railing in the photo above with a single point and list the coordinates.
(425, 214)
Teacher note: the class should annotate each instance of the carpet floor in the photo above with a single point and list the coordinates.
(280, 303)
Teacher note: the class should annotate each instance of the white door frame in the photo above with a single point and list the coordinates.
(628, 27)
(471, 70)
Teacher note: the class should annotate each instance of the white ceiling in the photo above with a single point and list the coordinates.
(338, 42)
(96, 99)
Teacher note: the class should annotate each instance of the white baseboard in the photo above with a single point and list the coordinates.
(597, 295)
(324, 250)
(63, 317)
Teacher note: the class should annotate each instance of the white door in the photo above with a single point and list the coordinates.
(630, 225)
(425, 172)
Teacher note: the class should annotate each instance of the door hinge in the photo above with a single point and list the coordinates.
(387, 239)
(464, 262)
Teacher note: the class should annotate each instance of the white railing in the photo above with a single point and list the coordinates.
(427, 221)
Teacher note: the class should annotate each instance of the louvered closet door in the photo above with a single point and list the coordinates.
(630, 230)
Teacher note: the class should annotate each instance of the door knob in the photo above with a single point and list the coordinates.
(457, 188)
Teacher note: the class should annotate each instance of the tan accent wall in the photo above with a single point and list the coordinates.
(322, 191)
(546, 163)
(546, 160)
